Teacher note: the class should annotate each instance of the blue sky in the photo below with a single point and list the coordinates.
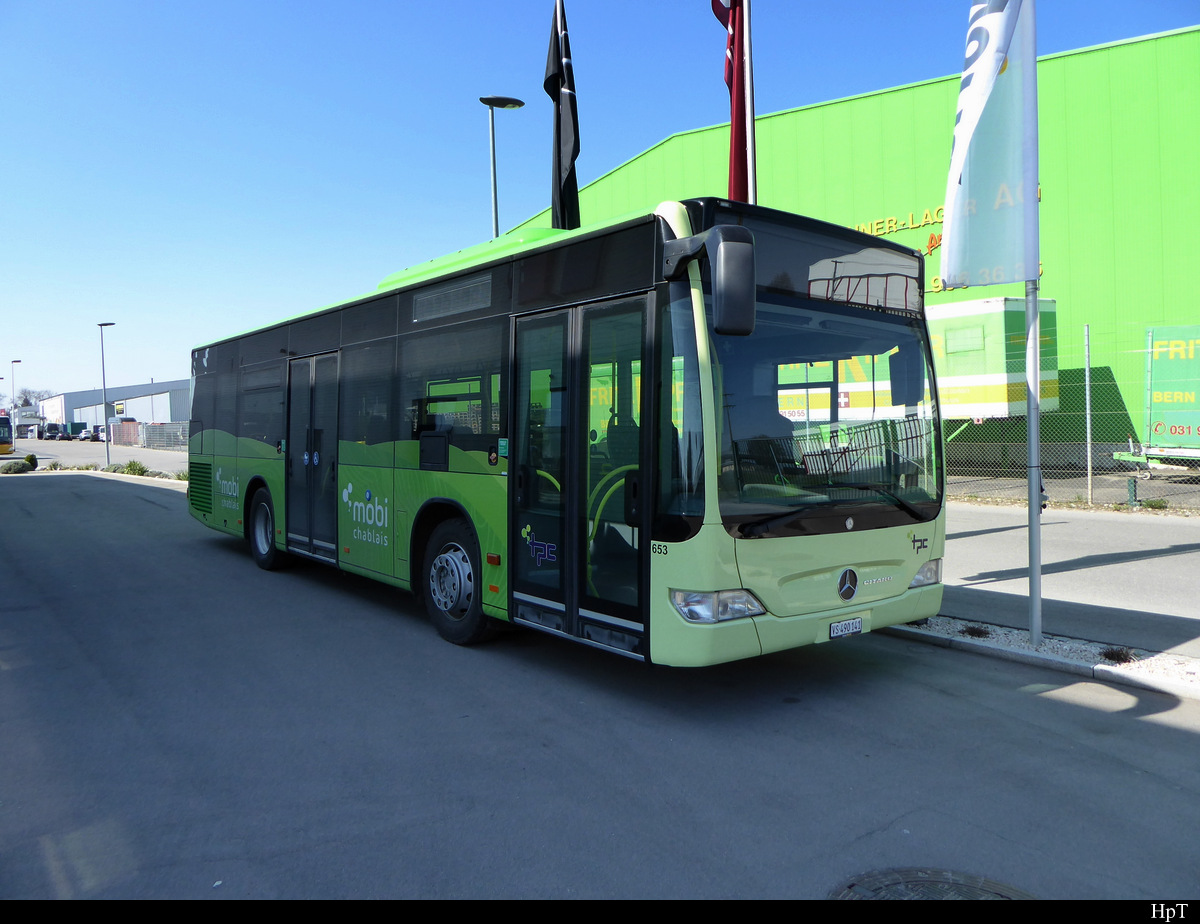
(192, 168)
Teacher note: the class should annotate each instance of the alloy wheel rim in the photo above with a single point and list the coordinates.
(451, 583)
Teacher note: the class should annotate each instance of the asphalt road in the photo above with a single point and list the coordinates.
(73, 453)
(1128, 578)
(176, 723)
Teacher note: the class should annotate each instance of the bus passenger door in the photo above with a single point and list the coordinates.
(539, 542)
(312, 456)
(577, 518)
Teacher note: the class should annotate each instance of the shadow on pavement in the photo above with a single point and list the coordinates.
(1110, 625)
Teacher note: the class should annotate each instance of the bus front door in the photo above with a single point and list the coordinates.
(312, 456)
(576, 519)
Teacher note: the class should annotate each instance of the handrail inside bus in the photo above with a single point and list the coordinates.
(596, 491)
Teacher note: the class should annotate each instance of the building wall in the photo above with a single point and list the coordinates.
(1120, 161)
(54, 410)
(165, 402)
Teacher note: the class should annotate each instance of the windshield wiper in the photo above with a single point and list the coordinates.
(766, 524)
(883, 489)
(757, 528)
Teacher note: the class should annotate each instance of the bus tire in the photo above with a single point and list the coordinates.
(453, 588)
(260, 532)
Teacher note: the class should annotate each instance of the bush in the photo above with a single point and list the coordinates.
(31, 460)
(134, 467)
(115, 468)
(181, 476)
(19, 467)
(55, 466)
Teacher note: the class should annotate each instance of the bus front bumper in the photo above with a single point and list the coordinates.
(678, 643)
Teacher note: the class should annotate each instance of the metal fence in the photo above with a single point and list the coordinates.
(1102, 411)
(151, 435)
(165, 435)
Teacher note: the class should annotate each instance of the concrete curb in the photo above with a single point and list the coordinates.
(1114, 673)
(1106, 673)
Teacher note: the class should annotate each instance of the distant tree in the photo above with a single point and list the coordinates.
(27, 397)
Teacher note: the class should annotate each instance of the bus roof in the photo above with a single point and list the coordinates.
(478, 255)
(702, 211)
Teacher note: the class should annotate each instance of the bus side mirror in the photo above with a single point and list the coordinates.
(730, 252)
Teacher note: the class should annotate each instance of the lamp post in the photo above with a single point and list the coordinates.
(13, 378)
(493, 103)
(104, 394)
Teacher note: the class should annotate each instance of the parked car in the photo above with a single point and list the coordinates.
(89, 436)
(50, 432)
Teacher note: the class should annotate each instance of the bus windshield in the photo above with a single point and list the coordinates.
(828, 409)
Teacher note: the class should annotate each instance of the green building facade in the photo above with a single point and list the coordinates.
(1120, 203)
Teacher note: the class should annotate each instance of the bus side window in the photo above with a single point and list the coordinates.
(450, 382)
(366, 413)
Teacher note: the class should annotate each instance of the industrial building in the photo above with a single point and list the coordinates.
(154, 402)
(155, 414)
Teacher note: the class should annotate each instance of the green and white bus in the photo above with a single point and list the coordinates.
(699, 434)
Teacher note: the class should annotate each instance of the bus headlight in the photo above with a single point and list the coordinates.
(929, 573)
(715, 606)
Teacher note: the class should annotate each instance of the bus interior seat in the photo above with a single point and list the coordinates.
(765, 440)
(377, 430)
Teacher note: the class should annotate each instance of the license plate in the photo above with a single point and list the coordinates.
(845, 627)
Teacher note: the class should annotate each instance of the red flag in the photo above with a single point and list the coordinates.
(734, 15)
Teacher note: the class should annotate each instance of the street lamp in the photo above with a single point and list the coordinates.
(104, 394)
(493, 103)
(13, 377)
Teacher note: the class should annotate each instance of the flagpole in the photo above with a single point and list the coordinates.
(751, 168)
(1002, 39)
(1033, 383)
(1033, 346)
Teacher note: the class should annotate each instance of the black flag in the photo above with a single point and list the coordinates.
(560, 87)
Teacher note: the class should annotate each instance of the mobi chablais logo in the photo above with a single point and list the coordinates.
(370, 516)
(227, 490)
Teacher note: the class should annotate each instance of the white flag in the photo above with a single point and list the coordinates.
(990, 221)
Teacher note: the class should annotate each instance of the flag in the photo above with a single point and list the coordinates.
(990, 220)
(560, 87)
(734, 15)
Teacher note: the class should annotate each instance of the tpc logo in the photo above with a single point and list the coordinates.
(541, 551)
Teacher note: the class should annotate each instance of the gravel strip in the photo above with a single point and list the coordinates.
(1147, 669)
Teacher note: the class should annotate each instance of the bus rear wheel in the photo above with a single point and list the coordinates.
(453, 590)
(260, 531)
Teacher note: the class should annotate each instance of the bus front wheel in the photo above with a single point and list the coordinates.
(261, 532)
(453, 589)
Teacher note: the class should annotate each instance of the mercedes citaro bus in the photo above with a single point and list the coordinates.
(702, 433)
